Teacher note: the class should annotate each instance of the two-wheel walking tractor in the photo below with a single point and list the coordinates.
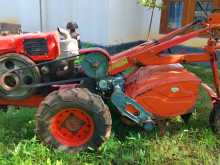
(71, 87)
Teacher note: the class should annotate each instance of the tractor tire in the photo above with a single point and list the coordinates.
(186, 117)
(73, 120)
(214, 118)
(3, 108)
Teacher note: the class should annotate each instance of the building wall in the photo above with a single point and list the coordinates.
(104, 22)
(29, 15)
(130, 21)
(22, 12)
(8, 12)
(92, 18)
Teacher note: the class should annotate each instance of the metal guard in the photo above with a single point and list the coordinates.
(120, 100)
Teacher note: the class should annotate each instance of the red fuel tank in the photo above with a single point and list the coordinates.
(165, 90)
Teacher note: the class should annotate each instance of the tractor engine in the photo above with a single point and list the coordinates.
(33, 58)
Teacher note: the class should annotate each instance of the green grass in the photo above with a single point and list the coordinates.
(182, 144)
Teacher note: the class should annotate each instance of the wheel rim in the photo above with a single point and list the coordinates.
(72, 127)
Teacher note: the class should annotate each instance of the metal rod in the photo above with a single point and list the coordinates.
(54, 83)
(151, 21)
(214, 66)
(41, 15)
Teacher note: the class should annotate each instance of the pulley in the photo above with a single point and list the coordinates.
(95, 65)
(11, 81)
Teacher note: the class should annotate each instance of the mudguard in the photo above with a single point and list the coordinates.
(165, 90)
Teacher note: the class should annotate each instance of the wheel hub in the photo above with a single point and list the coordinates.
(72, 127)
(9, 81)
(72, 123)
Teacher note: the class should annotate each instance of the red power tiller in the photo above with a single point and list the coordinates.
(145, 84)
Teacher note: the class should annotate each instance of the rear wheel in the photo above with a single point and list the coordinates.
(73, 120)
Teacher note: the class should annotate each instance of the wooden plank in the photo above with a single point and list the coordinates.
(164, 17)
(188, 11)
(188, 14)
(216, 3)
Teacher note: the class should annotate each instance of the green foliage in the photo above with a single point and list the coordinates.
(149, 3)
(182, 144)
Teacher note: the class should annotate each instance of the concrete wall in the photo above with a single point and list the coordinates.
(58, 13)
(9, 11)
(92, 19)
(125, 23)
(104, 22)
(130, 21)
(22, 12)
(29, 14)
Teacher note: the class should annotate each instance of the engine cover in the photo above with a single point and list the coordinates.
(165, 91)
(37, 46)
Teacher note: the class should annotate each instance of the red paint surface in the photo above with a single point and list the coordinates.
(33, 101)
(67, 137)
(14, 44)
(152, 88)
